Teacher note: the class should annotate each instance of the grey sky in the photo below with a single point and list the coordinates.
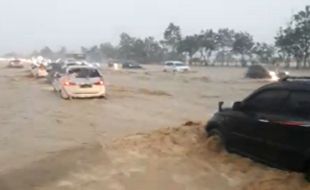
(31, 24)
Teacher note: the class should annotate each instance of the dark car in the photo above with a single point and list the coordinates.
(52, 69)
(259, 71)
(272, 125)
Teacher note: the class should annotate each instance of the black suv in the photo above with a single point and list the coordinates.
(272, 125)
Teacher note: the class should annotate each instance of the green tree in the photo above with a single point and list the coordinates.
(94, 54)
(242, 45)
(225, 41)
(172, 37)
(294, 40)
(154, 52)
(208, 44)
(108, 51)
(265, 53)
(47, 52)
(61, 53)
(189, 45)
(126, 45)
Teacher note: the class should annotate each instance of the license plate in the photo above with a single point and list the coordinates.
(86, 86)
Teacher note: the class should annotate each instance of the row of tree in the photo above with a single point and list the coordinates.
(224, 46)
(294, 40)
(205, 48)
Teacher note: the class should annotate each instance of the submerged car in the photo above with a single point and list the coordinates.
(175, 66)
(272, 125)
(16, 63)
(79, 81)
(259, 71)
(52, 69)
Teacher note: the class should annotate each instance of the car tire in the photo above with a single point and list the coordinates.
(307, 173)
(215, 141)
(63, 95)
(102, 97)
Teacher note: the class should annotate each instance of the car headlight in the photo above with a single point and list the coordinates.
(273, 76)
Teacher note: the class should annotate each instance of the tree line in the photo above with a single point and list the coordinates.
(209, 47)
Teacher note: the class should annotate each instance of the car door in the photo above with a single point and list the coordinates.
(252, 127)
(293, 130)
(168, 66)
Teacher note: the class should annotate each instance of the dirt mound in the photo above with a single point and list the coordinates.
(189, 146)
(168, 141)
(177, 158)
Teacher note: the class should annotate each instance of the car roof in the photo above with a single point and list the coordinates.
(174, 62)
(80, 66)
(288, 85)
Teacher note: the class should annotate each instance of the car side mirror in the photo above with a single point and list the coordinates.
(220, 105)
(237, 106)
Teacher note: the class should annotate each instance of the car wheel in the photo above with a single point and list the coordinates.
(215, 142)
(102, 97)
(64, 95)
(307, 173)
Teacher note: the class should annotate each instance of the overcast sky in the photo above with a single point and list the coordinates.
(31, 24)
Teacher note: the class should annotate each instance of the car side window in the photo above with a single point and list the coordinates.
(269, 101)
(169, 64)
(299, 104)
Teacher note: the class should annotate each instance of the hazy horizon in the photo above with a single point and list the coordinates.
(33, 24)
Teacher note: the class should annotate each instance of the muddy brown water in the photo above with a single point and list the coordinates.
(49, 143)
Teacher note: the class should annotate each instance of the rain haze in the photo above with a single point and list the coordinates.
(162, 94)
(31, 24)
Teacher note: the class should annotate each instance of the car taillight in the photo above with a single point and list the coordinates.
(99, 83)
(292, 123)
(67, 83)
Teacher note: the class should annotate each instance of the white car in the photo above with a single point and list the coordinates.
(39, 71)
(176, 66)
(80, 81)
(16, 63)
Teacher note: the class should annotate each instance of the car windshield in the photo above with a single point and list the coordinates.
(71, 64)
(84, 72)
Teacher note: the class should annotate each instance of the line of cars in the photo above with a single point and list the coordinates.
(69, 78)
(75, 79)
(272, 125)
(168, 66)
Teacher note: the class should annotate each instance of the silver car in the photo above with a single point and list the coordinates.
(79, 81)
